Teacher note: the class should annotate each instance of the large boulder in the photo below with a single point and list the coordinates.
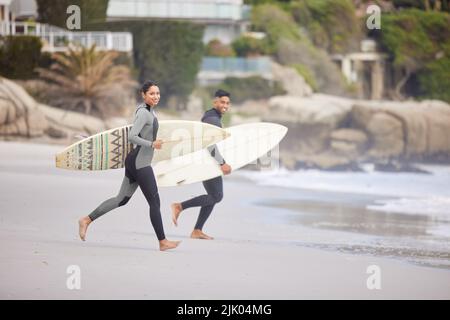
(408, 129)
(328, 160)
(437, 115)
(310, 120)
(19, 113)
(317, 109)
(349, 142)
(72, 121)
(327, 131)
(386, 133)
(357, 137)
(22, 117)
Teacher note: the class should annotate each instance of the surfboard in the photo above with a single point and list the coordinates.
(108, 149)
(247, 142)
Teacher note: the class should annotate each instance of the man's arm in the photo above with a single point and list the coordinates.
(213, 150)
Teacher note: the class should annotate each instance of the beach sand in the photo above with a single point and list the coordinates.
(255, 254)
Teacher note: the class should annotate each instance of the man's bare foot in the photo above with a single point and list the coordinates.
(166, 244)
(83, 224)
(176, 210)
(198, 234)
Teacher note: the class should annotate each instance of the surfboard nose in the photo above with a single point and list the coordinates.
(284, 129)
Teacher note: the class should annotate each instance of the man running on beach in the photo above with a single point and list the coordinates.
(213, 187)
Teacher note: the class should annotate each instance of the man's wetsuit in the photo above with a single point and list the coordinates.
(138, 171)
(213, 187)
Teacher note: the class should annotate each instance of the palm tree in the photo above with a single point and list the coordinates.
(87, 78)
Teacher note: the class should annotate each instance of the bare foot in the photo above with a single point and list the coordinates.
(166, 244)
(176, 210)
(83, 223)
(198, 234)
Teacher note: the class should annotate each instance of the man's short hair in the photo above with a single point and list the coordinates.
(221, 93)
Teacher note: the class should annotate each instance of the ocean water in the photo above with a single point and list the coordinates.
(414, 193)
(394, 214)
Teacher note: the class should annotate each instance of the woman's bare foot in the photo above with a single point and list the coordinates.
(176, 210)
(83, 224)
(198, 234)
(166, 244)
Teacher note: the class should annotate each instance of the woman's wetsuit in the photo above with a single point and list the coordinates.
(138, 171)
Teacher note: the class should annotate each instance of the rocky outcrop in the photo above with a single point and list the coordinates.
(19, 113)
(348, 142)
(291, 80)
(319, 108)
(405, 129)
(22, 117)
(71, 121)
(330, 132)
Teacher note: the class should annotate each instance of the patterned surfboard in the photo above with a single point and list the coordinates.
(108, 149)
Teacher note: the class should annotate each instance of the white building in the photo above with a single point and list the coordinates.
(13, 10)
(13, 16)
(223, 19)
(365, 68)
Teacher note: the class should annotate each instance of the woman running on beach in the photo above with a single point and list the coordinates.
(138, 171)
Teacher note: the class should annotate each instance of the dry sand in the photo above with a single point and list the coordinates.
(252, 257)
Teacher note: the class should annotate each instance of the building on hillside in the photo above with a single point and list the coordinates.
(224, 20)
(365, 69)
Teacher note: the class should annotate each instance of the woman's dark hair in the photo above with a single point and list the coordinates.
(147, 84)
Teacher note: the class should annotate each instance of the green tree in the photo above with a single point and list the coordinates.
(437, 5)
(276, 23)
(416, 40)
(55, 12)
(28, 49)
(87, 79)
(257, 2)
(169, 53)
(245, 46)
(290, 46)
(435, 79)
(332, 25)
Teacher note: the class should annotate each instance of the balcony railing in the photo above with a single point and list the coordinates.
(56, 39)
(259, 65)
(215, 69)
(178, 9)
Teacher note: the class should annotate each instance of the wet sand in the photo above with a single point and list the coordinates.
(388, 234)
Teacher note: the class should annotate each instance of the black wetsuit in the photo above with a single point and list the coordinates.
(138, 171)
(213, 187)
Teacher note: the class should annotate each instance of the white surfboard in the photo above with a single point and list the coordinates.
(108, 149)
(247, 142)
